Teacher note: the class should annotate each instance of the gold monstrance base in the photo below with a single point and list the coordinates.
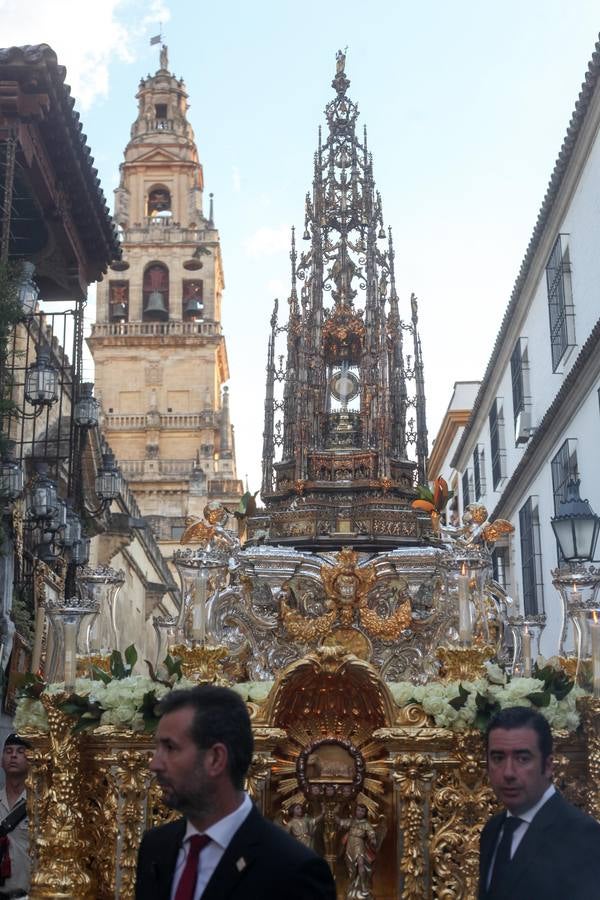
(464, 663)
(201, 663)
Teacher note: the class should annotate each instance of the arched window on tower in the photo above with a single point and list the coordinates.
(159, 203)
(193, 306)
(156, 293)
(118, 301)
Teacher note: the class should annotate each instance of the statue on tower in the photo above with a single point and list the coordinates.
(164, 57)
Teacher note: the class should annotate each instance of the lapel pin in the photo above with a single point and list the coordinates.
(240, 864)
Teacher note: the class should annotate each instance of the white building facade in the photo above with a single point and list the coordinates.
(535, 422)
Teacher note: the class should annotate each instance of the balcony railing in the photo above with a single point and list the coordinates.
(138, 468)
(151, 329)
(225, 486)
(138, 421)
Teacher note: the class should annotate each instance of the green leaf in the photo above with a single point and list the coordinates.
(100, 675)
(154, 676)
(458, 702)
(117, 666)
(173, 667)
(31, 686)
(131, 656)
(539, 698)
(149, 711)
(425, 492)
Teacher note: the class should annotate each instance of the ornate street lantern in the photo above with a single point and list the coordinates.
(87, 408)
(28, 290)
(41, 381)
(42, 503)
(576, 526)
(108, 479)
(11, 475)
(80, 551)
(72, 530)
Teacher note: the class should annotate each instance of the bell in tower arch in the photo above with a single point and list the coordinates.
(156, 306)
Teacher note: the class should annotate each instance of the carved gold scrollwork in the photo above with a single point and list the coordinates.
(258, 778)
(411, 774)
(388, 629)
(461, 802)
(590, 712)
(61, 844)
(304, 629)
(131, 777)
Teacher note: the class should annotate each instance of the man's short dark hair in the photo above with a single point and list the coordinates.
(220, 717)
(524, 717)
(17, 741)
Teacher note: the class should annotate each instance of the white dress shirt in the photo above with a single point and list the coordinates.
(519, 833)
(220, 834)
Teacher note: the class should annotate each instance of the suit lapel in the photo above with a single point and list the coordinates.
(529, 849)
(163, 866)
(237, 860)
(491, 839)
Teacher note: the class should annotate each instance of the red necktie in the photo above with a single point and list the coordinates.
(189, 876)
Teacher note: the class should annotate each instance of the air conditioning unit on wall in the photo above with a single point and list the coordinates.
(523, 427)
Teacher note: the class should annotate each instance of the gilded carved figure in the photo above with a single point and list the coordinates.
(302, 826)
(360, 845)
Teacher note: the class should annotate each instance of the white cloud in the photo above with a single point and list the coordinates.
(268, 241)
(85, 37)
(236, 179)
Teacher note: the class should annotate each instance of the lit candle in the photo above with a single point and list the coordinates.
(199, 607)
(526, 652)
(70, 654)
(575, 595)
(464, 607)
(199, 622)
(595, 633)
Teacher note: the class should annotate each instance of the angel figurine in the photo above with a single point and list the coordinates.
(361, 843)
(302, 826)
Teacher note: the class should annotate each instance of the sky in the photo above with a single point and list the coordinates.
(466, 105)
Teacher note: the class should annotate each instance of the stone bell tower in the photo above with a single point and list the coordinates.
(158, 346)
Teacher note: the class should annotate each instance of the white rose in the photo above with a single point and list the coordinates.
(259, 690)
(402, 691)
(242, 689)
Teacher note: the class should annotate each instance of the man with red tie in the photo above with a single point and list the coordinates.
(223, 849)
(541, 847)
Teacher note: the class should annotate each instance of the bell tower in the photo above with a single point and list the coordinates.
(158, 346)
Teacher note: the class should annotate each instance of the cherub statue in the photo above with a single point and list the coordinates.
(361, 842)
(479, 529)
(302, 826)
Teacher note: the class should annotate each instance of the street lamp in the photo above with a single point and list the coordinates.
(576, 526)
(108, 479)
(41, 382)
(42, 503)
(11, 475)
(87, 408)
(28, 290)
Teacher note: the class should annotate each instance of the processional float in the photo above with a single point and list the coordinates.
(368, 638)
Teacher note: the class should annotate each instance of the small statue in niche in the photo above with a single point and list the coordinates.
(361, 843)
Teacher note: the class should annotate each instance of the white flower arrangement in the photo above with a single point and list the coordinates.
(128, 701)
(470, 704)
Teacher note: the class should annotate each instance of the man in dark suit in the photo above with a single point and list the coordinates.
(223, 849)
(541, 847)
